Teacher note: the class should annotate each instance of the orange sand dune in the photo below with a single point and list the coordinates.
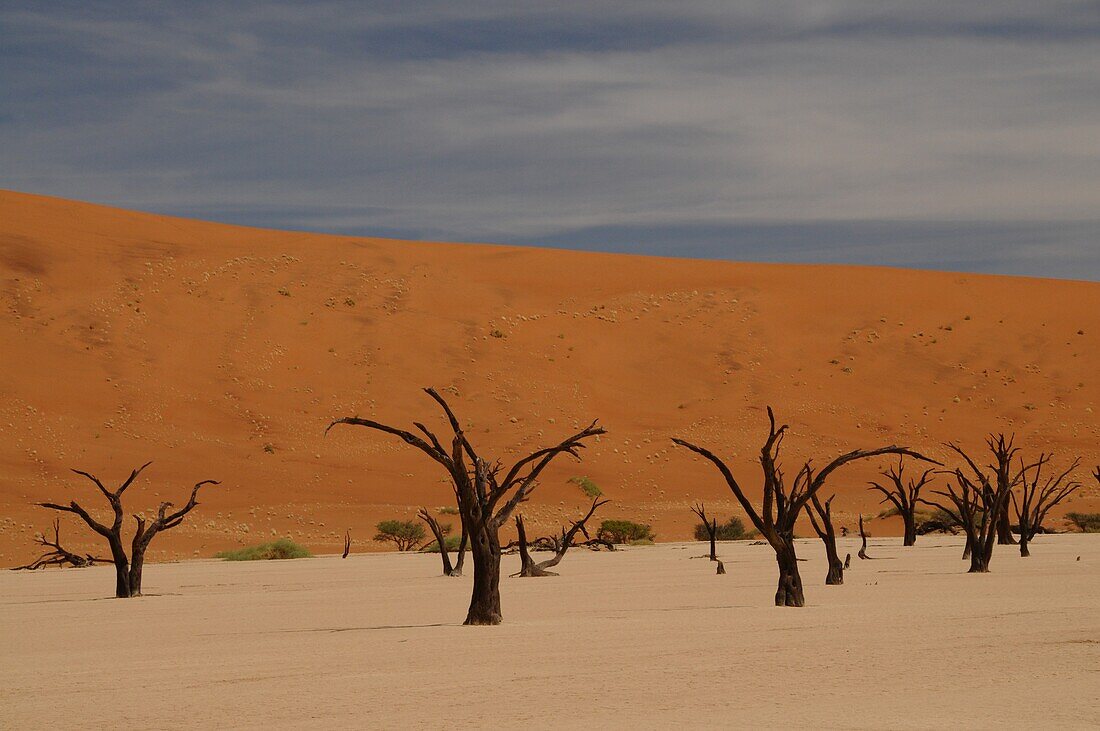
(223, 352)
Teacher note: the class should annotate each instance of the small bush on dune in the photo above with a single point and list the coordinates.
(280, 549)
(587, 486)
(451, 541)
(1085, 522)
(447, 510)
(405, 534)
(625, 531)
(733, 530)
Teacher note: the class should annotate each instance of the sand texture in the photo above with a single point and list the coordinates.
(641, 638)
(222, 352)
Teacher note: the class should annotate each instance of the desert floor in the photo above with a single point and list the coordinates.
(647, 637)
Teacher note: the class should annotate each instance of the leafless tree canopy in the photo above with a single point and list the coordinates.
(781, 506)
(980, 499)
(711, 526)
(904, 495)
(128, 568)
(1038, 495)
(58, 555)
(528, 567)
(487, 493)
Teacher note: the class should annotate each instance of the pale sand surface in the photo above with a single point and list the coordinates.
(642, 638)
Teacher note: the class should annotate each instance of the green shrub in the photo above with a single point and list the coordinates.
(1085, 522)
(733, 530)
(624, 531)
(589, 488)
(447, 510)
(452, 543)
(280, 549)
(405, 534)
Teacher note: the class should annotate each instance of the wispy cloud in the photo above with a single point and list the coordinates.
(811, 131)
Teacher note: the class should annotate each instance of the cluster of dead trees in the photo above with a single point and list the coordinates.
(975, 499)
(128, 569)
(487, 493)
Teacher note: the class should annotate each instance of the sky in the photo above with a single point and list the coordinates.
(936, 134)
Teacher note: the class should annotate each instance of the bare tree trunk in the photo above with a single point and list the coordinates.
(137, 563)
(485, 600)
(721, 569)
(968, 548)
(823, 526)
(863, 536)
(461, 560)
(1004, 528)
(1024, 540)
(910, 520)
(528, 567)
(122, 568)
(347, 544)
(440, 539)
(713, 537)
(978, 563)
(835, 577)
(789, 591)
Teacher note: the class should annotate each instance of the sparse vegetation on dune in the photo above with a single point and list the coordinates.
(621, 531)
(406, 535)
(284, 548)
(1085, 522)
(587, 486)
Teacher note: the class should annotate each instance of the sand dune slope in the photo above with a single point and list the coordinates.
(222, 352)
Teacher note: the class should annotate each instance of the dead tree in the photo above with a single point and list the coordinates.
(863, 538)
(980, 499)
(711, 528)
(780, 508)
(347, 543)
(528, 567)
(487, 494)
(904, 496)
(128, 568)
(825, 532)
(1035, 501)
(441, 540)
(58, 555)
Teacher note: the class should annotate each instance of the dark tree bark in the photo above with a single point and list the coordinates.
(128, 570)
(904, 496)
(347, 544)
(863, 541)
(1036, 501)
(487, 495)
(440, 538)
(721, 569)
(711, 527)
(528, 567)
(823, 526)
(847, 560)
(979, 499)
(58, 555)
(441, 541)
(780, 507)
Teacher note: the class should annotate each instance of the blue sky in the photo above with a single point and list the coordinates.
(938, 134)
